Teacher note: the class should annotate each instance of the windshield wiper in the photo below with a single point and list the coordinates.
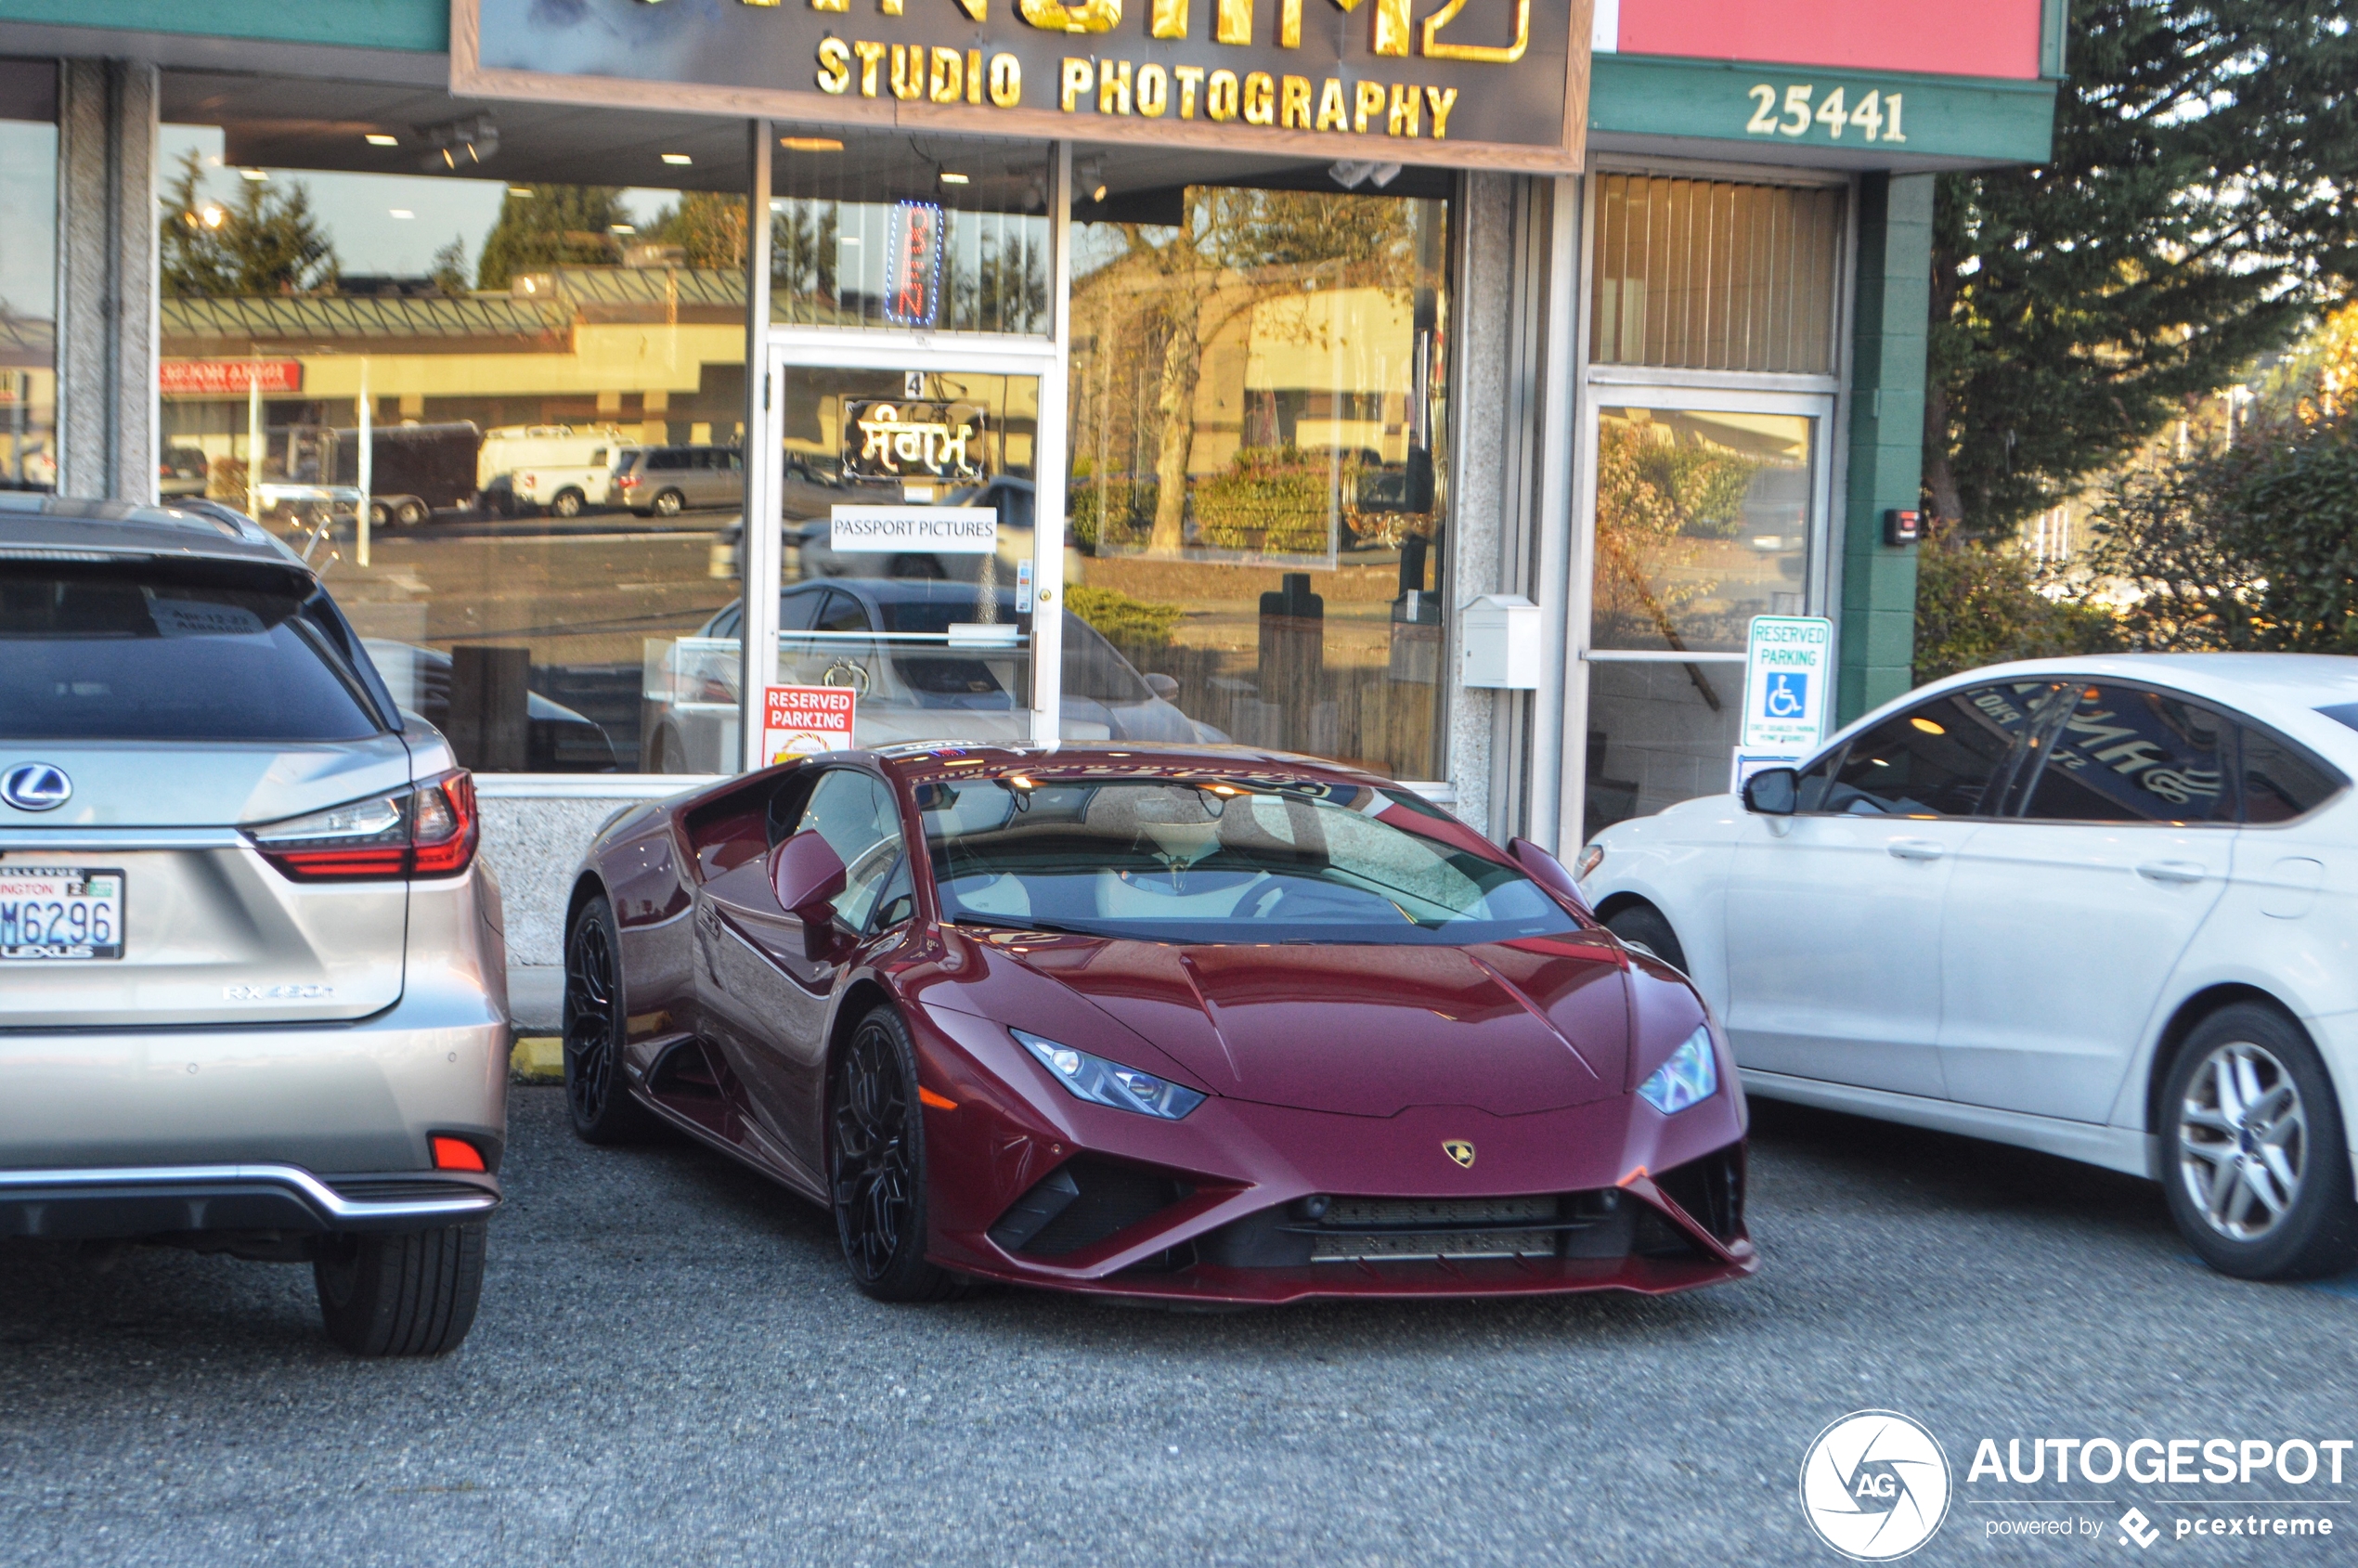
(989, 923)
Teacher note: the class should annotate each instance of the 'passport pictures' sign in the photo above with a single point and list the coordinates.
(1496, 83)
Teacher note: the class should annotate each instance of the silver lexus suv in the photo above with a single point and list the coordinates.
(252, 983)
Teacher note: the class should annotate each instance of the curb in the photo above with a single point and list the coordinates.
(539, 1058)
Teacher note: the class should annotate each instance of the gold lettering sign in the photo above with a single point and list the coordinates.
(1504, 85)
(1088, 15)
(888, 440)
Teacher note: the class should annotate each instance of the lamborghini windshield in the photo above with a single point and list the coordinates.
(1182, 861)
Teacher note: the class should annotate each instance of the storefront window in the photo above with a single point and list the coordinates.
(505, 414)
(909, 234)
(1256, 504)
(1711, 275)
(29, 275)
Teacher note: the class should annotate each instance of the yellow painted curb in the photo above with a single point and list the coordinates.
(539, 1058)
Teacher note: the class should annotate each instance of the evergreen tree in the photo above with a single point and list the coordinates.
(552, 225)
(449, 272)
(264, 242)
(2199, 201)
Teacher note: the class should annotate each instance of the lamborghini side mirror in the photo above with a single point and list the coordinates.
(1773, 792)
(808, 876)
(1545, 869)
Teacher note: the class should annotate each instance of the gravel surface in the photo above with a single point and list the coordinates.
(669, 1368)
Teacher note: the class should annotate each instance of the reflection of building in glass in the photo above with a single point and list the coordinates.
(658, 351)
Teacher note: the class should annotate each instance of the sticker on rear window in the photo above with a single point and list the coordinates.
(204, 618)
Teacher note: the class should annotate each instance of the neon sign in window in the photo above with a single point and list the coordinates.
(912, 284)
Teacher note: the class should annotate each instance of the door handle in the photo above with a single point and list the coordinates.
(1917, 849)
(2177, 872)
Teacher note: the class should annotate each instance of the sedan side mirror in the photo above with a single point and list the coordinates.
(1773, 792)
(1163, 686)
(808, 876)
(1545, 869)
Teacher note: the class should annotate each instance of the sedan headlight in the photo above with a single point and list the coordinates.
(1691, 1074)
(1110, 1083)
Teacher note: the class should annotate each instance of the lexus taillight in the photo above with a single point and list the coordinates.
(427, 830)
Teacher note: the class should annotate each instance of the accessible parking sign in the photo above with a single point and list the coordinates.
(1788, 665)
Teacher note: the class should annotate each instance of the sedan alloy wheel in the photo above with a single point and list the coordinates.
(2243, 1141)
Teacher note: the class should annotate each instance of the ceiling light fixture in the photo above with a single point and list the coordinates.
(379, 139)
(622, 228)
(811, 144)
(681, 159)
(255, 174)
(950, 178)
(458, 142)
(520, 191)
(1089, 178)
(403, 213)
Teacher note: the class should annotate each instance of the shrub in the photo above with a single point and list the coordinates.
(1980, 603)
(1119, 618)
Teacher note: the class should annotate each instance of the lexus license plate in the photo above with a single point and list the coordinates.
(70, 912)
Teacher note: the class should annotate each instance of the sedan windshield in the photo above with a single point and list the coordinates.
(1217, 862)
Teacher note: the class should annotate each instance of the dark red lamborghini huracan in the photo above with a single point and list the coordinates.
(1206, 1025)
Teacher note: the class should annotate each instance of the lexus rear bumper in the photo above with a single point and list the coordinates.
(125, 1201)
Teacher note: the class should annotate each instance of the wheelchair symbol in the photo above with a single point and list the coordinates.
(1787, 696)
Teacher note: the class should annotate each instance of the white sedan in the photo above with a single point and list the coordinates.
(2104, 907)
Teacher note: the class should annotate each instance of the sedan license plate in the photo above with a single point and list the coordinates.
(70, 912)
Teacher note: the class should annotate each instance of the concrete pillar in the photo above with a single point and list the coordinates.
(1887, 438)
(1483, 481)
(107, 411)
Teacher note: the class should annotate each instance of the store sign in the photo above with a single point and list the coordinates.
(1788, 668)
(805, 721)
(1498, 84)
(226, 378)
(942, 530)
(900, 440)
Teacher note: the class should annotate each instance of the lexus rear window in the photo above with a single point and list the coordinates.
(2342, 713)
(107, 653)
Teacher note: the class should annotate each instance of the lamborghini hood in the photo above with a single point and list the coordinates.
(1531, 1025)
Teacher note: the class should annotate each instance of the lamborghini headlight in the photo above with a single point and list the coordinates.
(1110, 1083)
(1691, 1074)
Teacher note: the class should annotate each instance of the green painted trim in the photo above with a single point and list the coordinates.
(1945, 116)
(1876, 646)
(2055, 37)
(409, 26)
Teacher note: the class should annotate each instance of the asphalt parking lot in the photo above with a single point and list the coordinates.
(669, 1368)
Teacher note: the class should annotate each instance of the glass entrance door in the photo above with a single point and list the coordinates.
(909, 539)
(1710, 509)
(900, 566)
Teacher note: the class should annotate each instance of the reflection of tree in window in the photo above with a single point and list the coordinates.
(1157, 307)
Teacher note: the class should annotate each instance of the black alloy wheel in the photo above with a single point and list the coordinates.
(877, 1165)
(604, 1111)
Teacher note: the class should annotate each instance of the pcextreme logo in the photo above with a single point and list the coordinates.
(1874, 1485)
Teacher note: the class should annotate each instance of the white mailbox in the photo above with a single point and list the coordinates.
(1500, 634)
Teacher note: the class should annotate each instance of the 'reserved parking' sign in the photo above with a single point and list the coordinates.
(1788, 667)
